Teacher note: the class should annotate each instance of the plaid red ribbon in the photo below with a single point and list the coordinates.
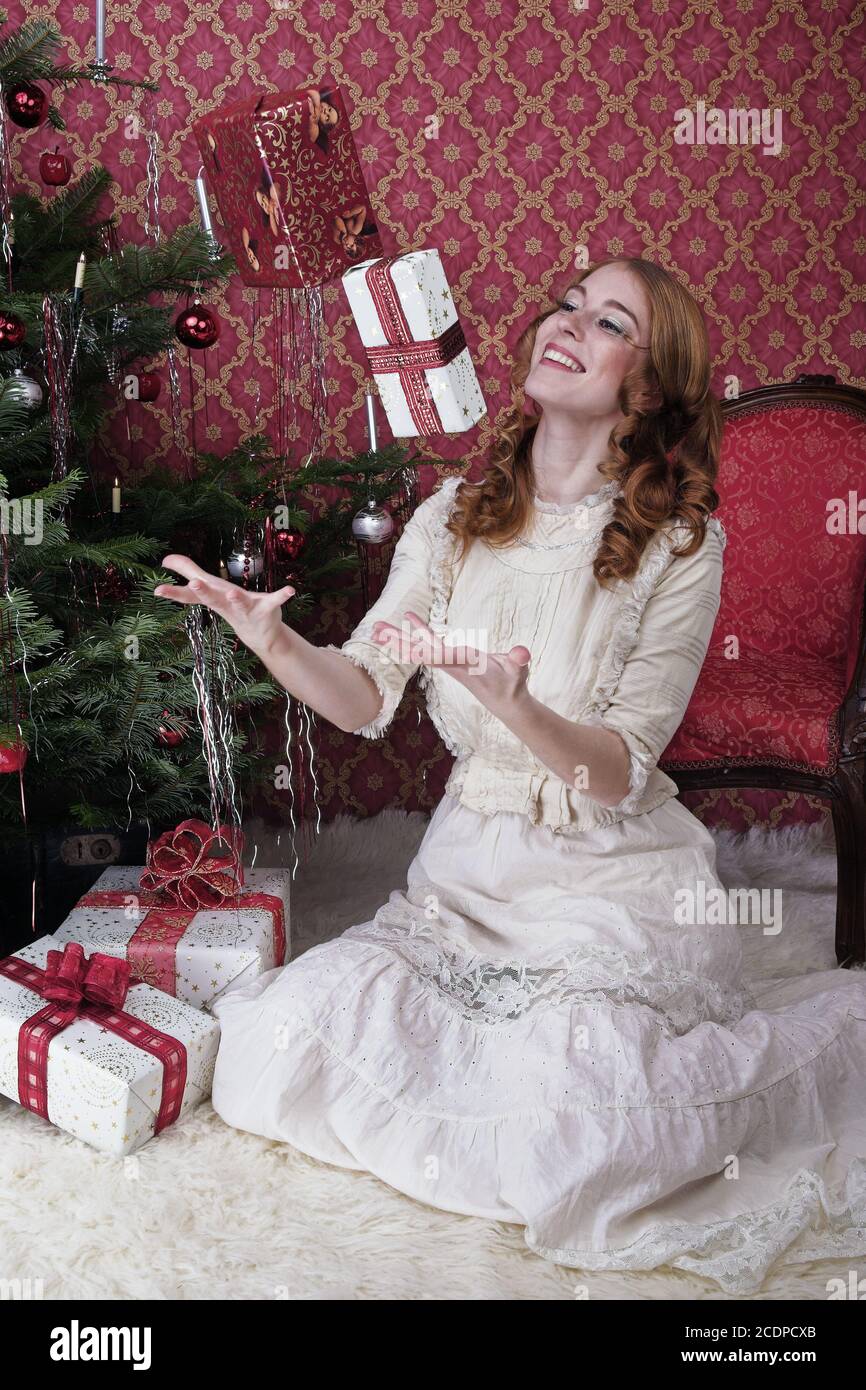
(81, 988)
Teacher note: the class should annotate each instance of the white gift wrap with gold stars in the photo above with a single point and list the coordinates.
(427, 302)
(101, 1088)
(220, 947)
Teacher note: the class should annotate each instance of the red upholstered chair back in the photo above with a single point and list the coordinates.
(791, 585)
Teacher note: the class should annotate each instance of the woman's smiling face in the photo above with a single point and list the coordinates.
(589, 331)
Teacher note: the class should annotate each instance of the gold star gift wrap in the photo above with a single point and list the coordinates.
(220, 948)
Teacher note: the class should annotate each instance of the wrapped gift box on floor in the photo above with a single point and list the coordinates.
(405, 314)
(192, 954)
(289, 185)
(111, 1075)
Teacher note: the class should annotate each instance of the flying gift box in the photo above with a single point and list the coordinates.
(289, 186)
(405, 314)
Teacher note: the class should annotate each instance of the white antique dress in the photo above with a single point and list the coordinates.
(528, 1031)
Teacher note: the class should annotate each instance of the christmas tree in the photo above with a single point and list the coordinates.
(89, 659)
(98, 696)
(96, 676)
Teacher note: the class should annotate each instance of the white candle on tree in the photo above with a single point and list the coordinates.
(100, 31)
(371, 420)
(115, 497)
(204, 205)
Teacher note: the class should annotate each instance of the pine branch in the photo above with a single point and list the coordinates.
(32, 634)
(30, 562)
(125, 552)
(29, 53)
(137, 271)
(66, 213)
(28, 447)
(55, 496)
(68, 75)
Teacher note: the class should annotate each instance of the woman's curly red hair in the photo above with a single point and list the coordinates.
(665, 457)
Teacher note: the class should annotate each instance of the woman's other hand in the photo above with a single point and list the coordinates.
(497, 679)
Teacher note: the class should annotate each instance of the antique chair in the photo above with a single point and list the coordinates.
(788, 711)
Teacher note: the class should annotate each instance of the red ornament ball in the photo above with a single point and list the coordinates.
(13, 331)
(55, 168)
(197, 326)
(169, 738)
(13, 756)
(288, 544)
(149, 385)
(27, 105)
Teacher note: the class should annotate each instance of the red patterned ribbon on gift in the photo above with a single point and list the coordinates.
(152, 949)
(409, 359)
(184, 871)
(82, 988)
(418, 356)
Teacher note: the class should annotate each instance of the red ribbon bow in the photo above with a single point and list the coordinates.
(182, 869)
(72, 979)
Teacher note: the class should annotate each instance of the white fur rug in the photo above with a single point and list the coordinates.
(210, 1212)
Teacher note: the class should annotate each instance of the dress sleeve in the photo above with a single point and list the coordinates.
(660, 671)
(408, 586)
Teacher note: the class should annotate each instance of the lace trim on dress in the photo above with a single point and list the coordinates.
(442, 556)
(641, 763)
(390, 697)
(586, 524)
(490, 993)
(739, 1252)
(592, 499)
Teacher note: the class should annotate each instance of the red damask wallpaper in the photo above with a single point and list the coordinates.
(507, 134)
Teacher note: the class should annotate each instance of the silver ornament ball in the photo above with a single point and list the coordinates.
(373, 523)
(23, 389)
(241, 563)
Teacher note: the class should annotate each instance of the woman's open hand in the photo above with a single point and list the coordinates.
(497, 679)
(254, 617)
